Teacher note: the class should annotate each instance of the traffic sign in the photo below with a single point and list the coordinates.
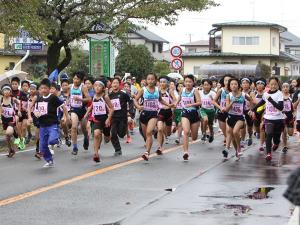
(176, 51)
(29, 46)
(177, 64)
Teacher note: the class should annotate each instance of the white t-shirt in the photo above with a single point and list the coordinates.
(272, 113)
(206, 99)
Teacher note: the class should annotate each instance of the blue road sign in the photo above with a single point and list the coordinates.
(29, 46)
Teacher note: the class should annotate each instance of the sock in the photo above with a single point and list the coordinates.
(74, 145)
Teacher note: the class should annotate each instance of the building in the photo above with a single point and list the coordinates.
(196, 46)
(152, 41)
(8, 59)
(243, 42)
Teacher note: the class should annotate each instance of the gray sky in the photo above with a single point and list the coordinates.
(283, 12)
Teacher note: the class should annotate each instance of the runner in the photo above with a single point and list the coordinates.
(89, 83)
(102, 110)
(296, 106)
(25, 86)
(207, 111)
(235, 102)
(22, 116)
(190, 100)
(288, 111)
(46, 111)
(8, 120)
(220, 103)
(246, 86)
(131, 112)
(119, 125)
(65, 96)
(79, 97)
(178, 112)
(32, 119)
(274, 118)
(257, 116)
(149, 114)
(165, 114)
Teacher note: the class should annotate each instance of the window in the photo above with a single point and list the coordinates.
(11, 65)
(196, 70)
(274, 42)
(160, 47)
(153, 47)
(245, 40)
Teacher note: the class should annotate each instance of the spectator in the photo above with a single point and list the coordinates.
(134, 83)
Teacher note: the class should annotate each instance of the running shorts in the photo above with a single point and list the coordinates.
(222, 116)
(100, 125)
(191, 115)
(233, 119)
(166, 116)
(177, 116)
(146, 116)
(209, 113)
(80, 112)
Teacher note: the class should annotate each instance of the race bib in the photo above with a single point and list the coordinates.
(76, 103)
(223, 103)
(179, 105)
(151, 104)
(187, 101)
(207, 103)
(7, 112)
(99, 108)
(24, 105)
(67, 104)
(247, 105)
(236, 109)
(270, 109)
(42, 108)
(116, 104)
(287, 107)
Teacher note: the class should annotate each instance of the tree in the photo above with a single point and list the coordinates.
(265, 70)
(161, 68)
(136, 60)
(60, 22)
(79, 62)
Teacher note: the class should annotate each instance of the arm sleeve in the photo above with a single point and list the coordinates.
(278, 105)
(295, 97)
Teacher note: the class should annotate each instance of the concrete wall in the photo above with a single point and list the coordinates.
(265, 40)
(2, 41)
(5, 60)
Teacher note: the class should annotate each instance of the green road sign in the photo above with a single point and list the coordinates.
(18, 46)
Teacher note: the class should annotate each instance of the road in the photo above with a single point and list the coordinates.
(127, 190)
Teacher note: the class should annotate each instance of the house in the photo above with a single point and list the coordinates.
(243, 42)
(196, 46)
(8, 59)
(152, 41)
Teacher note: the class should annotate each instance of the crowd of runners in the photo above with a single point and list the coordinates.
(106, 109)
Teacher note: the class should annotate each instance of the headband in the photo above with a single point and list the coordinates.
(285, 83)
(6, 87)
(33, 85)
(261, 82)
(164, 79)
(99, 82)
(246, 79)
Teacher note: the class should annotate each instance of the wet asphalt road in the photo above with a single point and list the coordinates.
(206, 190)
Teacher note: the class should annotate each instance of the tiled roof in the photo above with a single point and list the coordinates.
(197, 43)
(250, 24)
(293, 40)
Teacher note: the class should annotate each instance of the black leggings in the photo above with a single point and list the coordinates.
(273, 130)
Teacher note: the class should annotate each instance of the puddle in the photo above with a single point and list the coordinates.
(261, 193)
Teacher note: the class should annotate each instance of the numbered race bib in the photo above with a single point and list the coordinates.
(236, 109)
(7, 112)
(247, 105)
(99, 108)
(151, 104)
(287, 107)
(223, 103)
(179, 105)
(187, 101)
(24, 105)
(67, 104)
(207, 103)
(167, 100)
(271, 110)
(116, 104)
(42, 108)
(74, 103)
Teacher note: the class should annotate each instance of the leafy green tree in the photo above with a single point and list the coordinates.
(161, 68)
(265, 70)
(60, 22)
(79, 62)
(136, 60)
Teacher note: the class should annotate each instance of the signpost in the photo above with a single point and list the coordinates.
(29, 46)
(102, 58)
(177, 62)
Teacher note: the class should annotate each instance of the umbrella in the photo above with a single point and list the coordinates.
(175, 76)
(6, 77)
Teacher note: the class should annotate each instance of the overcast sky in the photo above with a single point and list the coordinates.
(283, 12)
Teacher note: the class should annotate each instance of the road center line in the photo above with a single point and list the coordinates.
(79, 178)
